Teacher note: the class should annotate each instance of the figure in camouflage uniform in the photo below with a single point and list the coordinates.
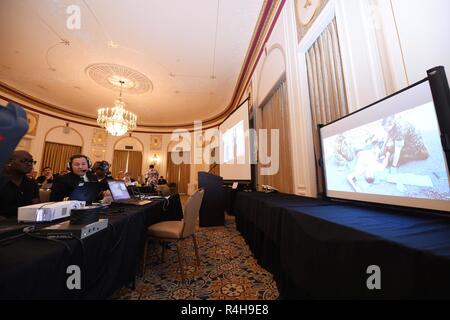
(404, 143)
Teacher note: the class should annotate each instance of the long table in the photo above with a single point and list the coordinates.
(35, 268)
(322, 249)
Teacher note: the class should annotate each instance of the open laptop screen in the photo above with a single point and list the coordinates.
(118, 190)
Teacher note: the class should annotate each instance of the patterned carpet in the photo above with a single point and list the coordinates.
(228, 271)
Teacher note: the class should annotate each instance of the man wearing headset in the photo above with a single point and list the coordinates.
(64, 185)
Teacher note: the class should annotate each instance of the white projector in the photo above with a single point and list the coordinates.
(48, 211)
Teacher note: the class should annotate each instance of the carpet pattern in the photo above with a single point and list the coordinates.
(227, 271)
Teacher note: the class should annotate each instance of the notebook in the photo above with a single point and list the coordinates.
(120, 194)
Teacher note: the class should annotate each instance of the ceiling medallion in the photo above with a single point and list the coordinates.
(114, 76)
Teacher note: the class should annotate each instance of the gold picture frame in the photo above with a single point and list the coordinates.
(100, 138)
(97, 154)
(155, 142)
(33, 120)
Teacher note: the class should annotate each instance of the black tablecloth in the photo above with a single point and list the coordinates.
(321, 249)
(33, 268)
(230, 199)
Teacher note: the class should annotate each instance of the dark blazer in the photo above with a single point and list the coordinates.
(41, 179)
(64, 185)
(104, 183)
(13, 196)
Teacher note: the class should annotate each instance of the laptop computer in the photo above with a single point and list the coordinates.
(88, 191)
(120, 194)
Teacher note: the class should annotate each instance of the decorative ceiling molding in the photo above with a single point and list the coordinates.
(35, 107)
(266, 22)
(109, 76)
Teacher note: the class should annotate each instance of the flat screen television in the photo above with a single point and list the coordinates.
(395, 151)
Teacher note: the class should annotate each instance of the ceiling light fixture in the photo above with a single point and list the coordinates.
(116, 120)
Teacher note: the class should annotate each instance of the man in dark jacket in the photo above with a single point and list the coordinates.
(64, 185)
(19, 190)
(102, 173)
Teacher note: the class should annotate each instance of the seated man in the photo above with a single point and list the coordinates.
(19, 190)
(128, 180)
(120, 175)
(46, 180)
(101, 172)
(161, 180)
(64, 185)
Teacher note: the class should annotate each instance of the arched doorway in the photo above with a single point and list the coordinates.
(127, 157)
(60, 143)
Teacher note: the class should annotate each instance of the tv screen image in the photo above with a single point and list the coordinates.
(235, 146)
(389, 153)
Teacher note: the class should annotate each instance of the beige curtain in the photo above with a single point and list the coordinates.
(185, 176)
(135, 164)
(172, 169)
(275, 115)
(56, 155)
(179, 173)
(326, 85)
(119, 162)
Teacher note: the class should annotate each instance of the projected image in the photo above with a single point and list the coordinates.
(399, 155)
(234, 144)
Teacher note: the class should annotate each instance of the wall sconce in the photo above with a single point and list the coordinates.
(155, 159)
(66, 129)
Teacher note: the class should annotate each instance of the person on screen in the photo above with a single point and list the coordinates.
(403, 143)
(18, 190)
(368, 164)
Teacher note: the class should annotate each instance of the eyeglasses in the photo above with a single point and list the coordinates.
(27, 161)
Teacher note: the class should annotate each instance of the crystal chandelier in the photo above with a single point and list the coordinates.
(116, 120)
